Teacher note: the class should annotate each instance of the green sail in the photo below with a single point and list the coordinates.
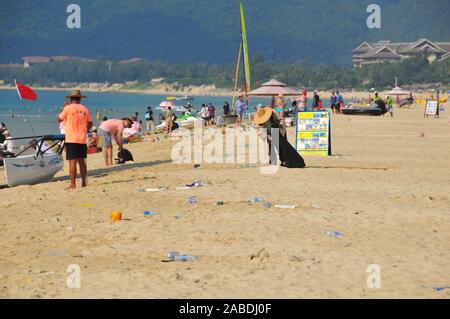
(245, 51)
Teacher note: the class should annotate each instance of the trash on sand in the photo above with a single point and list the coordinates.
(198, 184)
(176, 256)
(220, 203)
(315, 206)
(183, 188)
(192, 200)
(335, 234)
(87, 205)
(267, 205)
(441, 288)
(149, 214)
(254, 200)
(197, 166)
(177, 216)
(116, 216)
(152, 190)
(286, 206)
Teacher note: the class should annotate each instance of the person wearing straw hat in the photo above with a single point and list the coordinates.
(78, 122)
(267, 119)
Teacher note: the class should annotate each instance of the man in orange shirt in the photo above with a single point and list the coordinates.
(78, 122)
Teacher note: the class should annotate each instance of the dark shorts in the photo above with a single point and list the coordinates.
(75, 151)
(333, 106)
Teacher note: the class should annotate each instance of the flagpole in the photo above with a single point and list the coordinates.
(25, 110)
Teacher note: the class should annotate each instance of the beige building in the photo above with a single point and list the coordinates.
(386, 51)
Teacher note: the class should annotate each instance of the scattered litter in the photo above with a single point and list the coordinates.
(116, 216)
(152, 190)
(254, 200)
(267, 205)
(197, 166)
(176, 256)
(192, 200)
(149, 214)
(220, 203)
(87, 205)
(182, 188)
(286, 206)
(421, 134)
(315, 206)
(335, 234)
(440, 288)
(198, 184)
(177, 216)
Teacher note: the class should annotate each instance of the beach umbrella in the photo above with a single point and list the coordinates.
(274, 88)
(397, 91)
(166, 104)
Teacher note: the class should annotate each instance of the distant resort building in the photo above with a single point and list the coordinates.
(29, 61)
(32, 60)
(386, 51)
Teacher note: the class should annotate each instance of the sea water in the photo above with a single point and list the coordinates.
(41, 114)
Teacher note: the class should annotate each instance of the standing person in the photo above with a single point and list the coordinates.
(204, 114)
(63, 123)
(333, 101)
(169, 119)
(390, 105)
(315, 102)
(239, 107)
(112, 129)
(211, 114)
(303, 101)
(150, 120)
(280, 104)
(339, 102)
(78, 122)
(226, 109)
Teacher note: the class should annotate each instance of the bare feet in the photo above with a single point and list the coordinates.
(70, 188)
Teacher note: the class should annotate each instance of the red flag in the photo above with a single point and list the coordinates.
(25, 93)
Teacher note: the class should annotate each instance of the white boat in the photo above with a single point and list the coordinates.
(39, 167)
(187, 123)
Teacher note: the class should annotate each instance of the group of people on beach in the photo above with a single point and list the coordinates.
(75, 121)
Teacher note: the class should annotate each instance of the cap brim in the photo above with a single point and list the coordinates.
(78, 96)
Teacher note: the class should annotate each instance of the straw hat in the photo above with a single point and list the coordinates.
(76, 93)
(263, 115)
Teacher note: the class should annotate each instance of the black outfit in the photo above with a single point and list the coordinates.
(75, 151)
(316, 99)
(149, 115)
(226, 109)
(288, 155)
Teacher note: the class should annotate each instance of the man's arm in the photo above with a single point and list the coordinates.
(119, 139)
(89, 125)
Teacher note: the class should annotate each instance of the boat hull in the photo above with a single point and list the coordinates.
(31, 169)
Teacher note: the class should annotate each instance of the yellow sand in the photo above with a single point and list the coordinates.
(386, 189)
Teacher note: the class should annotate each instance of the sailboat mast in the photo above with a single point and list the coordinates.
(237, 75)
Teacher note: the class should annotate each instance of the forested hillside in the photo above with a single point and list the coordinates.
(179, 31)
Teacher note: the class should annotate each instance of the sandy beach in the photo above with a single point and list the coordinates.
(386, 189)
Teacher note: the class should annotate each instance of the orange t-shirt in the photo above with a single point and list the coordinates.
(77, 117)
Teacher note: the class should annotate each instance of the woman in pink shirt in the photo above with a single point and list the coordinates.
(109, 129)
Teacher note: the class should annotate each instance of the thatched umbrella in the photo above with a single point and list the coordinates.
(274, 88)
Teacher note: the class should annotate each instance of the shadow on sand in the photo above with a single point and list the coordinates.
(97, 173)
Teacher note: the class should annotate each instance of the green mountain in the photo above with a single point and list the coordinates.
(178, 31)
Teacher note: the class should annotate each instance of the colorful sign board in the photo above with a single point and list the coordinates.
(313, 133)
(432, 108)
